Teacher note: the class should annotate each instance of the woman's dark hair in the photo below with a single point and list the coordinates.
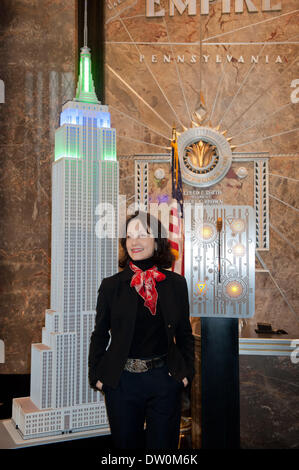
(163, 256)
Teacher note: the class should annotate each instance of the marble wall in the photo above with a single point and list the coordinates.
(242, 68)
(269, 403)
(38, 48)
(252, 101)
(269, 414)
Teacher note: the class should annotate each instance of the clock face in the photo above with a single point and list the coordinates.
(239, 72)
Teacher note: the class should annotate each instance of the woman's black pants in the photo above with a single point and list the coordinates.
(152, 397)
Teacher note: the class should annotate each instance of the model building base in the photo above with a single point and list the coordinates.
(31, 422)
(11, 438)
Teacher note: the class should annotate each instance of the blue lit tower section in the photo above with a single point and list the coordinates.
(85, 177)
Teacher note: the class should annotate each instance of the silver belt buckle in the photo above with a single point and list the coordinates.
(136, 365)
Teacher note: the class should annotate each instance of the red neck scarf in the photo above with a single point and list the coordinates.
(145, 284)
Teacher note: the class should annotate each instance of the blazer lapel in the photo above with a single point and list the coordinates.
(126, 303)
(166, 297)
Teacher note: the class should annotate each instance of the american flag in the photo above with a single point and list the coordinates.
(176, 217)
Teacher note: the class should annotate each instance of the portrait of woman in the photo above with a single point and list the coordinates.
(141, 352)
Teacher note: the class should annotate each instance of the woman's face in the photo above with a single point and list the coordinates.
(139, 243)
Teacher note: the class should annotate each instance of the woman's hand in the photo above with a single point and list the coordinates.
(185, 381)
(99, 385)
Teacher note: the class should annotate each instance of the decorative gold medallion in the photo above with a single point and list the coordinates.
(205, 154)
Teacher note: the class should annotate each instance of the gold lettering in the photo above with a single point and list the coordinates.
(266, 6)
(190, 5)
(225, 6)
(181, 6)
(150, 8)
(239, 6)
(205, 7)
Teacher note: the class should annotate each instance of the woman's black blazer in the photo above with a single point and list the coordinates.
(116, 312)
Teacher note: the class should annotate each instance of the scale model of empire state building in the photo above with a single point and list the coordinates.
(84, 175)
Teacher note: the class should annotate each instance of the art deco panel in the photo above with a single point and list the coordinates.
(219, 261)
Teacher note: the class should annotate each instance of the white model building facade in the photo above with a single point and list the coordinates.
(85, 176)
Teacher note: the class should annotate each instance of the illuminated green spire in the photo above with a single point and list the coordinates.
(85, 88)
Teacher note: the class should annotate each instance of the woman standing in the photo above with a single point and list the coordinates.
(144, 312)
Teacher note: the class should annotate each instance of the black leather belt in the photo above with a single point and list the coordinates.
(143, 365)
